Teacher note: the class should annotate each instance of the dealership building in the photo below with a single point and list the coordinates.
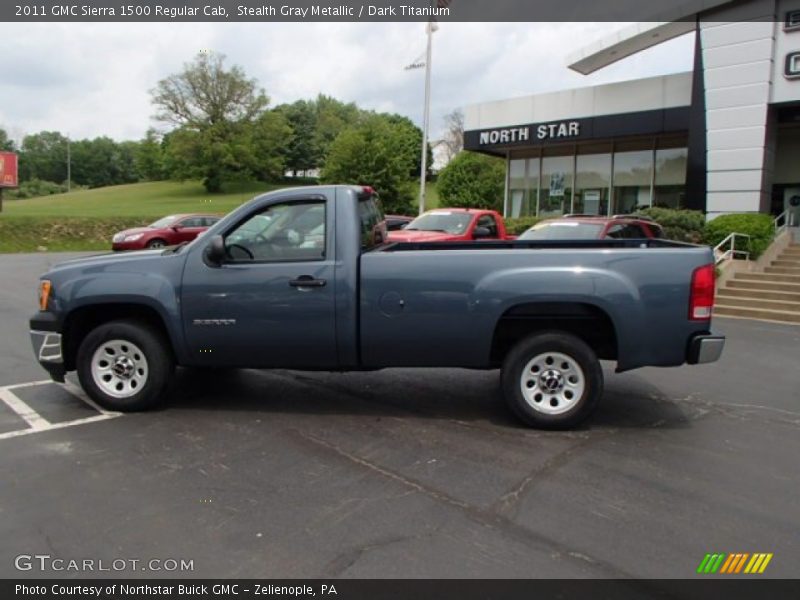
(722, 138)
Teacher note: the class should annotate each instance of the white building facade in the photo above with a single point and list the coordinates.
(723, 138)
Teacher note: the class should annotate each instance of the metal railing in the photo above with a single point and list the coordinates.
(721, 255)
(776, 222)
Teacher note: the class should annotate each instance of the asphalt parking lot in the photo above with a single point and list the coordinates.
(402, 473)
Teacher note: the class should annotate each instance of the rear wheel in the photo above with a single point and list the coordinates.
(124, 365)
(552, 380)
(156, 243)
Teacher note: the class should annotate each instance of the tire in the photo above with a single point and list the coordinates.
(124, 365)
(156, 243)
(552, 380)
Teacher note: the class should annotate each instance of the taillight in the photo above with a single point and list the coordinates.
(701, 297)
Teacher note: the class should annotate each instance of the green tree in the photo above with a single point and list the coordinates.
(213, 108)
(102, 161)
(332, 117)
(269, 141)
(367, 154)
(472, 180)
(43, 156)
(302, 151)
(409, 145)
(150, 157)
(6, 143)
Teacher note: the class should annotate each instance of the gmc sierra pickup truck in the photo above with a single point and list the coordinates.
(303, 279)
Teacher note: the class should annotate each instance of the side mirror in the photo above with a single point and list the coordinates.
(481, 233)
(215, 251)
(176, 227)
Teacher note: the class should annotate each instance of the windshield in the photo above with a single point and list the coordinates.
(563, 230)
(440, 220)
(164, 222)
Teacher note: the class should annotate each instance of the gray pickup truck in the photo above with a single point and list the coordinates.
(302, 279)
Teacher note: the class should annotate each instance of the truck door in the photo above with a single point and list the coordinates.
(272, 301)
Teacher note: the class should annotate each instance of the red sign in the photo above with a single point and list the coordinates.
(8, 169)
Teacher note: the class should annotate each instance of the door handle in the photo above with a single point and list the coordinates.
(307, 281)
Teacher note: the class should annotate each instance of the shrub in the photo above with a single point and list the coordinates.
(679, 225)
(38, 187)
(516, 226)
(757, 225)
(472, 180)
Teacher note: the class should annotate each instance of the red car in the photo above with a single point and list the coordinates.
(167, 231)
(452, 225)
(593, 227)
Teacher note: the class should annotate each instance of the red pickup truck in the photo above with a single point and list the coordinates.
(453, 225)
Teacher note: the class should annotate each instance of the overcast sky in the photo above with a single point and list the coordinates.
(88, 80)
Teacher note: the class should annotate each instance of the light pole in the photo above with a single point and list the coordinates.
(69, 166)
(426, 116)
(418, 64)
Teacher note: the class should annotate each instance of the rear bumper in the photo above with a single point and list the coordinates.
(705, 349)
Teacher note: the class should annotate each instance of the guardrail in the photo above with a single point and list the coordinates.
(721, 255)
(776, 222)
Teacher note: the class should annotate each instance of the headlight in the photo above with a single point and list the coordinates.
(118, 238)
(44, 293)
(133, 237)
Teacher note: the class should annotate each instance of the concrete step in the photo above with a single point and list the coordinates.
(764, 285)
(732, 292)
(723, 310)
(784, 270)
(791, 251)
(773, 277)
(757, 302)
(782, 262)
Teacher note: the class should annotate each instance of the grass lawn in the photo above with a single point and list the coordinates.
(152, 199)
(87, 219)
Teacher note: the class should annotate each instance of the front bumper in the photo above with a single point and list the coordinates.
(48, 351)
(705, 349)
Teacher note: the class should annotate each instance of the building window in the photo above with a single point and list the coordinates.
(670, 178)
(592, 183)
(556, 189)
(792, 21)
(518, 192)
(633, 178)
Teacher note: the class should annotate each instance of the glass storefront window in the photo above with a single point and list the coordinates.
(556, 189)
(518, 196)
(533, 185)
(670, 181)
(592, 182)
(633, 176)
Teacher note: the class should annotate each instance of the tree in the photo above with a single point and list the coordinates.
(43, 156)
(367, 154)
(332, 117)
(102, 161)
(453, 139)
(212, 107)
(302, 151)
(409, 146)
(150, 157)
(6, 143)
(472, 180)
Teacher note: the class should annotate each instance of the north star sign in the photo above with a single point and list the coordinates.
(509, 135)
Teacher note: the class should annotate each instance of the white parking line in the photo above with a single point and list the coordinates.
(38, 423)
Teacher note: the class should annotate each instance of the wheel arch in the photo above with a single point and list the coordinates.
(82, 320)
(587, 321)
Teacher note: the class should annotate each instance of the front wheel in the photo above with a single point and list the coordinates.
(124, 365)
(552, 380)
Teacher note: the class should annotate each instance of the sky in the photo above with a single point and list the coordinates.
(93, 79)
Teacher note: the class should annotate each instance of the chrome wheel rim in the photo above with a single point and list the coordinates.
(119, 368)
(156, 244)
(552, 383)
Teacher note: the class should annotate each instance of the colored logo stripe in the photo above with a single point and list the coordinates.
(734, 563)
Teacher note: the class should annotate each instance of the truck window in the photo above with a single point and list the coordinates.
(373, 223)
(292, 231)
(489, 222)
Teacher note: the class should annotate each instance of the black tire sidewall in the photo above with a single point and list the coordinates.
(540, 343)
(160, 364)
(152, 244)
